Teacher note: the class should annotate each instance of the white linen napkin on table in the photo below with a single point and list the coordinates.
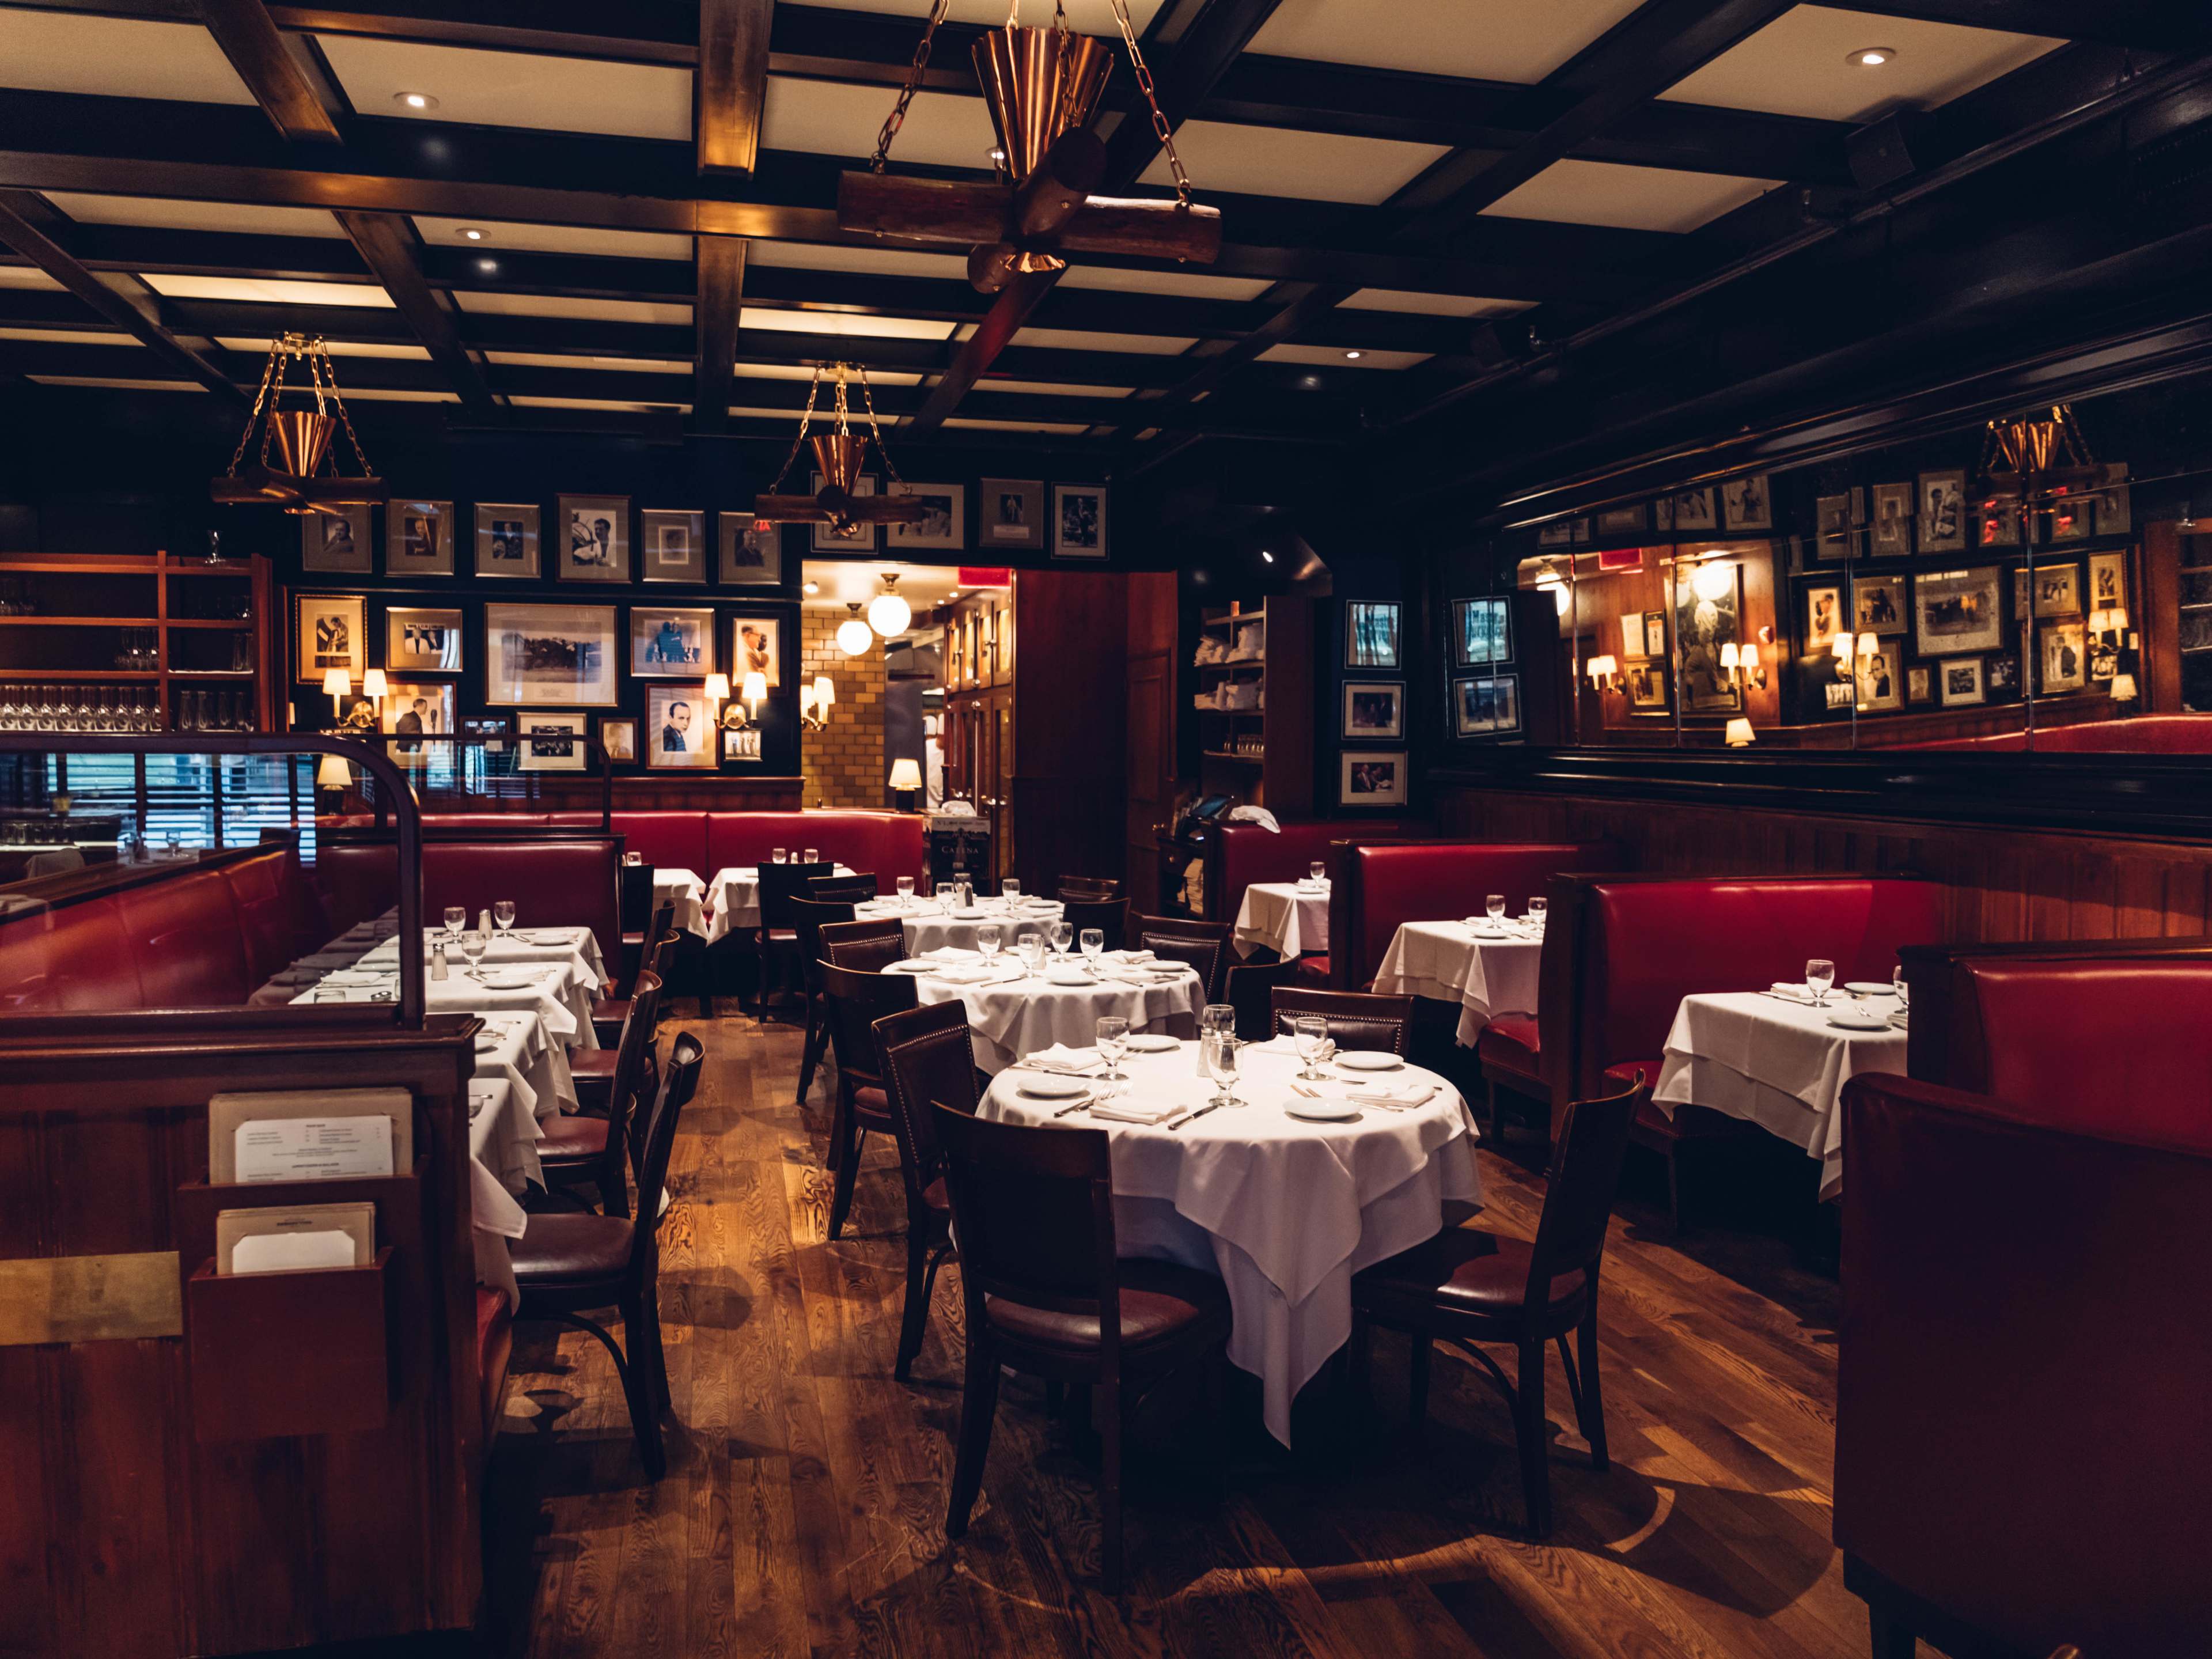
(1126, 1111)
(1401, 1097)
(1791, 991)
(1064, 1061)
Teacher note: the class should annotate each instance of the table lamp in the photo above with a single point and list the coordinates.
(905, 780)
(1739, 733)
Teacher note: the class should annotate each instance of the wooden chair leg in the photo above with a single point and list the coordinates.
(1592, 1403)
(810, 1053)
(1528, 1427)
(1110, 1487)
(1673, 1192)
(846, 1139)
(638, 1392)
(979, 1402)
(1417, 1373)
(919, 1273)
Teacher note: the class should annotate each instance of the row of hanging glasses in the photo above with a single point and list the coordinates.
(214, 710)
(141, 653)
(81, 707)
(15, 597)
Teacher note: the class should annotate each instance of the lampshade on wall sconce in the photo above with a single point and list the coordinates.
(815, 702)
(1601, 671)
(718, 687)
(338, 686)
(825, 693)
(1740, 734)
(2124, 688)
(373, 684)
(1868, 646)
(333, 772)
(1845, 643)
(1747, 665)
(855, 637)
(754, 691)
(889, 614)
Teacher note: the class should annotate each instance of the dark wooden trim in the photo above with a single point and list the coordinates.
(999, 325)
(2150, 24)
(721, 261)
(258, 49)
(728, 86)
(388, 246)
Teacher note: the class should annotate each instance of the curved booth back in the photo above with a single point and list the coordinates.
(1379, 887)
(1238, 854)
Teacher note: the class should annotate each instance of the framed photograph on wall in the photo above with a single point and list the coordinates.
(2108, 581)
(752, 553)
(550, 654)
(1919, 684)
(1010, 513)
(1747, 504)
(490, 728)
(861, 537)
(756, 648)
(668, 644)
(1558, 533)
(2057, 590)
(1371, 777)
(1942, 527)
(1960, 681)
(506, 540)
(1824, 618)
(1484, 633)
(945, 526)
(2001, 675)
(1078, 521)
(2070, 518)
(1878, 605)
(1485, 706)
(618, 740)
(742, 745)
(336, 544)
(1692, 510)
(1957, 611)
(1623, 521)
(1708, 615)
(1838, 516)
(1374, 710)
(594, 539)
(1655, 634)
(1892, 534)
(416, 708)
(679, 727)
(327, 633)
(1370, 635)
(421, 640)
(1880, 677)
(418, 538)
(672, 545)
(1997, 524)
(2116, 514)
(1645, 679)
(555, 740)
(2065, 666)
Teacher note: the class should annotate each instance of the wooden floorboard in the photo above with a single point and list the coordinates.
(803, 1513)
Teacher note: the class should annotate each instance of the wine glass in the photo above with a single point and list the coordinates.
(1902, 991)
(1062, 934)
(473, 945)
(1494, 907)
(1221, 1066)
(1031, 948)
(1010, 890)
(456, 919)
(1536, 908)
(988, 940)
(1819, 974)
(1316, 873)
(777, 856)
(1310, 1033)
(905, 891)
(1113, 1039)
(948, 896)
(1094, 945)
(502, 914)
(813, 856)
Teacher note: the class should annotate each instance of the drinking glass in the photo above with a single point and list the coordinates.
(1819, 974)
(1316, 872)
(1009, 890)
(1062, 934)
(176, 845)
(777, 856)
(1310, 1033)
(473, 945)
(1217, 1017)
(502, 914)
(1029, 948)
(948, 897)
(456, 918)
(813, 856)
(1094, 945)
(988, 938)
(905, 891)
(1494, 907)
(1903, 992)
(1536, 908)
(1113, 1043)
(1221, 1066)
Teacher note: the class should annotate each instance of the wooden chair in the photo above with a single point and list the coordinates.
(1046, 1294)
(1095, 890)
(808, 918)
(1356, 1019)
(865, 947)
(1252, 986)
(927, 1056)
(633, 904)
(591, 1146)
(855, 1001)
(779, 887)
(1204, 944)
(1465, 1286)
(841, 890)
(609, 1012)
(1110, 916)
(569, 1265)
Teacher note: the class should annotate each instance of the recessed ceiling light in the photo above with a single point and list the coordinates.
(473, 235)
(1266, 555)
(415, 100)
(811, 589)
(1872, 56)
(1308, 382)
(490, 267)
(1353, 356)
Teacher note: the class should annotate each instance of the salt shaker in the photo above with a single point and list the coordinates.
(438, 968)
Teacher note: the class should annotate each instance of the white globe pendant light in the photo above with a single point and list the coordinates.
(889, 614)
(855, 637)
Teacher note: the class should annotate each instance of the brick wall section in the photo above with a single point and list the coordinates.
(843, 766)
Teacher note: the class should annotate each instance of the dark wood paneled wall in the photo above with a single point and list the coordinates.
(1069, 695)
(2005, 885)
(1153, 701)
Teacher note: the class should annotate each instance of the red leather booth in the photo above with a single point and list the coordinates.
(1238, 854)
(2145, 734)
(2022, 1446)
(571, 881)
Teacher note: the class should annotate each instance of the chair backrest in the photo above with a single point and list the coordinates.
(1356, 1019)
(1580, 1186)
(809, 916)
(1093, 889)
(657, 933)
(1110, 916)
(841, 890)
(926, 1054)
(620, 1159)
(857, 1001)
(1034, 1209)
(679, 1081)
(1203, 944)
(780, 885)
(636, 896)
(865, 947)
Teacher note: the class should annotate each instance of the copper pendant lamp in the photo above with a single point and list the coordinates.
(2037, 462)
(302, 437)
(839, 454)
(1042, 87)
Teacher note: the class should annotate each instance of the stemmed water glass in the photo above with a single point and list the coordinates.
(1494, 907)
(1010, 890)
(1902, 991)
(1536, 908)
(1310, 1033)
(1093, 943)
(905, 891)
(456, 918)
(1221, 1066)
(1315, 873)
(1062, 934)
(502, 914)
(1819, 974)
(778, 856)
(813, 856)
(987, 939)
(1112, 1039)
(1031, 948)
(473, 945)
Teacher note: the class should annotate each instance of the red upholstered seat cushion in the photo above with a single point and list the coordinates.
(1246, 852)
(1461, 1270)
(887, 845)
(279, 918)
(1312, 971)
(1512, 1044)
(592, 1062)
(572, 1139)
(1391, 885)
(558, 1250)
(495, 1348)
(184, 933)
(555, 883)
(1159, 1300)
(872, 1102)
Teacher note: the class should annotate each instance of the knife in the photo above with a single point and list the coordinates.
(1193, 1116)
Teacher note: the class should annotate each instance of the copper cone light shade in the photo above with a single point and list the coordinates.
(1039, 84)
(301, 441)
(839, 455)
(303, 438)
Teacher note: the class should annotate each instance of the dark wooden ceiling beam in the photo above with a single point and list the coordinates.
(2147, 24)
(388, 245)
(290, 93)
(722, 266)
(730, 84)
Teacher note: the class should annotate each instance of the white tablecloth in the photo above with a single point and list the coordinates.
(683, 889)
(1284, 1209)
(733, 898)
(521, 1079)
(1445, 961)
(930, 926)
(552, 992)
(1777, 1064)
(1013, 1014)
(576, 947)
(1287, 917)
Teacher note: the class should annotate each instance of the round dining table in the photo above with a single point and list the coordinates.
(1284, 1209)
(1012, 1011)
(930, 927)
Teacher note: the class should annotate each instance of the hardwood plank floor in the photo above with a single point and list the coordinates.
(803, 1512)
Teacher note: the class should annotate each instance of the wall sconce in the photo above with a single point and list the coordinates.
(1604, 672)
(1740, 734)
(905, 780)
(1741, 662)
(372, 686)
(815, 702)
(334, 774)
(338, 686)
(1844, 647)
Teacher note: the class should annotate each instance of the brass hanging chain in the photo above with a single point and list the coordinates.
(798, 443)
(345, 419)
(1159, 118)
(875, 431)
(283, 355)
(260, 399)
(896, 119)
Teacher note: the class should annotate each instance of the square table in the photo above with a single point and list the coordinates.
(733, 898)
(683, 890)
(1450, 962)
(1290, 918)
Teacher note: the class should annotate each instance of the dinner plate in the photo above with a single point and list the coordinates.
(1152, 1043)
(1369, 1060)
(1044, 1085)
(1867, 987)
(1852, 1019)
(510, 981)
(967, 916)
(1069, 982)
(549, 938)
(1321, 1111)
(487, 1043)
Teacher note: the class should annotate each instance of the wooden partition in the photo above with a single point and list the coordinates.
(205, 1466)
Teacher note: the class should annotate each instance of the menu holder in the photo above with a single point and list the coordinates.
(226, 1112)
(299, 1352)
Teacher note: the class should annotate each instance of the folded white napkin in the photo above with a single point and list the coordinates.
(955, 974)
(1791, 990)
(1124, 1111)
(1129, 958)
(356, 977)
(1312, 886)
(952, 953)
(1074, 1062)
(1400, 1096)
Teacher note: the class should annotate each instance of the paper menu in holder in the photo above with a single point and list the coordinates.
(249, 1132)
(295, 1235)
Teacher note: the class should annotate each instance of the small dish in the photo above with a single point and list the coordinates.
(1044, 1085)
(1152, 1043)
(1854, 1019)
(1369, 1060)
(1867, 987)
(1321, 1111)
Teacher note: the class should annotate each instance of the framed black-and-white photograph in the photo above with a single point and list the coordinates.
(2002, 675)
(1623, 521)
(1078, 521)
(1374, 710)
(671, 644)
(1879, 605)
(752, 553)
(418, 708)
(1372, 778)
(336, 542)
(944, 525)
(2115, 513)
(1747, 504)
(1919, 684)
(1370, 635)
(1558, 533)
(618, 739)
(1824, 618)
(1692, 510)
(488, 728)
(1892, 534)
(420, 641)
(1010, 513)
(679, 727)
(2057, 590)
(861, 537)
(2108, 581)
(1958, 680)
(1485, 706)
(594, 539)
(755, 649)
(555, 740)
(1484, 633)
(1957, 611)
(418, 538)
(741, 745)
(1645, 679)
(2065, 657)
(1708, 612)
(506, 540)
(1839, 516)
(1942, 525)
(328, 633)
(1880, 677)
(564, 653)
(671, 546)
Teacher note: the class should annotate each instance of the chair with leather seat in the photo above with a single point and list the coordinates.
(865, 947)
(854, 1001)
(1094, 890)
(567, 1264)
(608, 1013)
(1204, 944)
(1465, 1286)
(1046, 1294)
(1356, 1019)
(808, 918)
(842, 890)
(779, 887)
(1110, 916)
(591, 1146)
(634, 903)
(927, 1055)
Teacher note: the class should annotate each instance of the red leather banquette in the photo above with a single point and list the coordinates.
(2146, 734)
(188, 936)
(568, 881)
(2022, 1446)
(1239, 854)
(1376, 888)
